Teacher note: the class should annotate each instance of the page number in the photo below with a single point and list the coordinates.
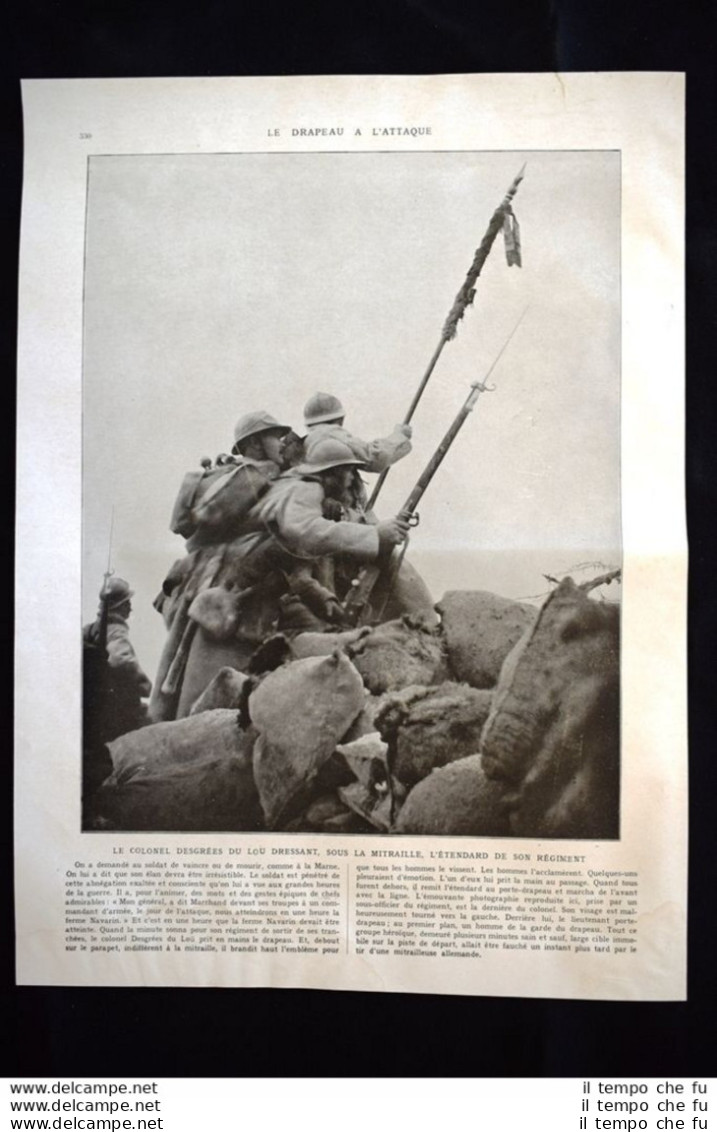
(85, 135)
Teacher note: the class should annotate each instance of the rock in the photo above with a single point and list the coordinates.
(224, 691)
(479, 630)
(399, 653)
(189, 774)
(429, 727)
(456, 800)
(301, 712)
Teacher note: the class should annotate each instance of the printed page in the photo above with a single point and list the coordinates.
(351, 520)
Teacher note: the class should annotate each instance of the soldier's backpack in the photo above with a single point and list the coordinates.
(218, 499)
(182, 521)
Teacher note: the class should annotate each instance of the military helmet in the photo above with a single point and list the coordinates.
(116, 591)
(251, 424)
(328, 453)
(323, 407)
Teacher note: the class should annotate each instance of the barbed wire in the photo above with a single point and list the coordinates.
(579, 568)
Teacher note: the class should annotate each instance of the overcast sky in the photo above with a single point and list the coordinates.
(220, 284)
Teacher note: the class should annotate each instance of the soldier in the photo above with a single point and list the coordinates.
(258, 437)
(114, 686)
(294, 507)
(121, 656)
(225, 494)
(211, 511)
(324, 417)
(317, 555)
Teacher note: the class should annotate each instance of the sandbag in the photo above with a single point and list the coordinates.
(375, 794)
(553, 735)
(409, 596)
(224, 691)
(301, 712)
(189, 774)
(365, 721)
(323, 644)
(479, 629)
(429, 727)
(399, 653)
(366, 758)
(322, 815)
(456, 800)
(372, 807)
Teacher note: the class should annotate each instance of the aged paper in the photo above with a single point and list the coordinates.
(193, 250)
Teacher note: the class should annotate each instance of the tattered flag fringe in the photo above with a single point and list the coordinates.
(502, 218)
(465, 296)
(511, 237)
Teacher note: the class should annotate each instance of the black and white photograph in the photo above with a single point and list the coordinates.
(351, 522)
(351, 560)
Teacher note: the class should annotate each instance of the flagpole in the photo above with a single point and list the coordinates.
(464, 299)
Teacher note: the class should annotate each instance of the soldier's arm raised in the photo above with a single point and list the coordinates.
(378, 455)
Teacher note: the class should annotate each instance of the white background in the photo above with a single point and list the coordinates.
(322, 1104)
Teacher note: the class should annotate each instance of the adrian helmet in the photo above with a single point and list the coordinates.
(328, 453)
(323, 407)
(251, 424)
(116, 591)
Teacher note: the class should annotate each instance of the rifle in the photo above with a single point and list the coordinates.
(503, 218)
(357, 601)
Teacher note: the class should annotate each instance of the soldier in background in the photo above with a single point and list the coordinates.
(114, 685)
(112, 622)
